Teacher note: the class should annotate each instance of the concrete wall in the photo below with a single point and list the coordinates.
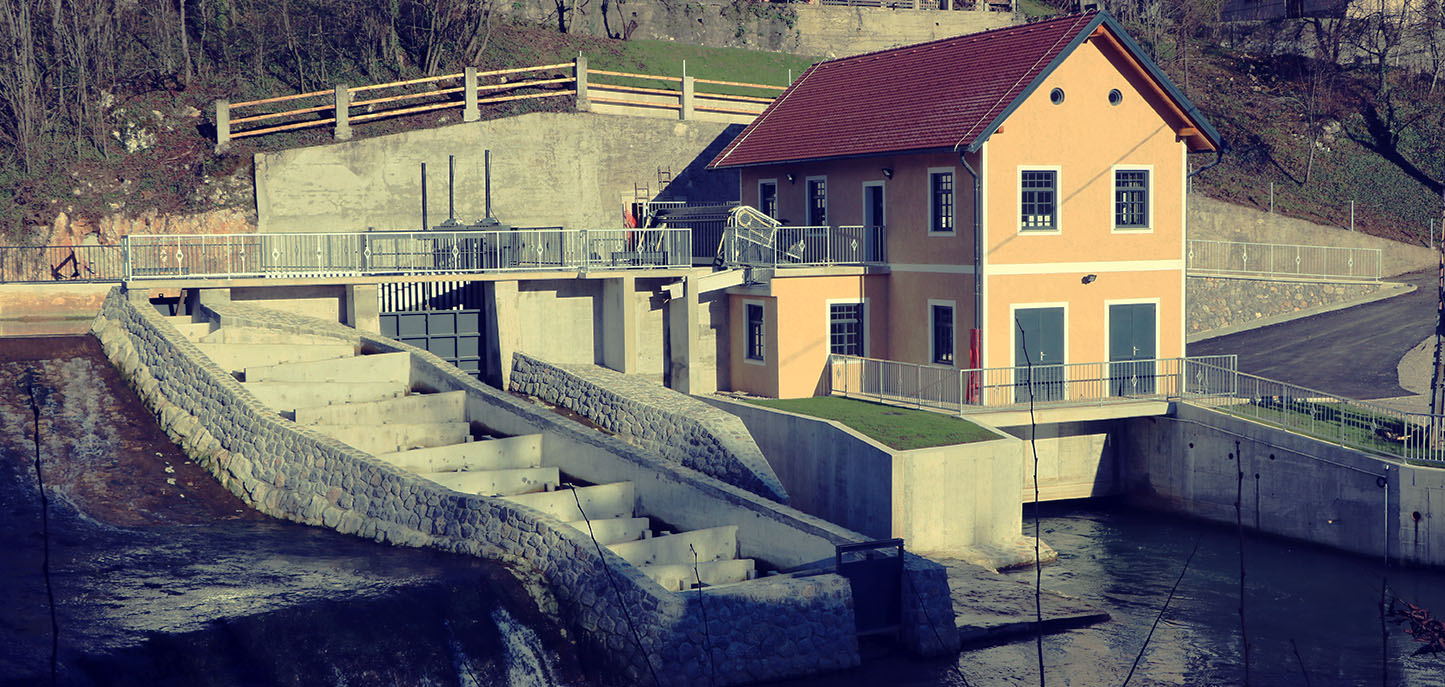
(1076, 460)
(1220, 221)
(945, 501)
(841, 31)
(292, 472)
(49, 308)
(548, 169)
(1292, 485)
(673, 424)
(1216, 303)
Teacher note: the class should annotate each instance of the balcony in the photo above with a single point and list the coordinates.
(785, 247)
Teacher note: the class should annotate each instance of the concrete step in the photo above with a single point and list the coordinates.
(259, 335)
(288, 396)
(238, 357)
(601, 502)
(615, 530)
(498, 482)
(195, 331)
(712, 544)
(393, 368)
(377, 439)
(416, 408)
(491, 454)
(679, 577)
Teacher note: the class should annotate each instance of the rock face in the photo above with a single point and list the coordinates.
(1216, 302)
(77, 231)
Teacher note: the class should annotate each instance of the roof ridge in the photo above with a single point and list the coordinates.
(962, 36)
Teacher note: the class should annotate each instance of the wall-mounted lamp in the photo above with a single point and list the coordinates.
(1089, 278)
(887, 172)
(791, 177)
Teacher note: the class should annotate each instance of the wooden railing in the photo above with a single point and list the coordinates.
(335, 107)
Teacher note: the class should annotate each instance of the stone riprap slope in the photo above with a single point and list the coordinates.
(759, 630)
(684, 429)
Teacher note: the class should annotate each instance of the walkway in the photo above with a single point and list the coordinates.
(1352, 353)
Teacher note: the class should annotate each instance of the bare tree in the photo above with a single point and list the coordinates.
(20, 80)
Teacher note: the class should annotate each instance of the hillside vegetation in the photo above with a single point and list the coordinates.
(109, 110)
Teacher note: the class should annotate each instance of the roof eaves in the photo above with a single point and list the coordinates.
(834, 158)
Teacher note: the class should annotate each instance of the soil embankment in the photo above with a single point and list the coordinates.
(160, 576)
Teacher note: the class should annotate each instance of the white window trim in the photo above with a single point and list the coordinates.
(808, 199)
(932, 352)
(928, 193)
(1148, 227)
(762, 362)
(1058, 199)
(1131, 301)
(828, 320)
(1013, 309)
(864, 215)
(777, 190)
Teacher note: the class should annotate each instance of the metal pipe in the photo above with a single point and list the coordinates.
(487, 168)
(977, 246)
(424, 225)
(451, 189)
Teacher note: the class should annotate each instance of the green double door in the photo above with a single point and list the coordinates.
(1133, 348)
(1038, 354)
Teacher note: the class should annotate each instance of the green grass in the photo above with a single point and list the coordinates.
(719, 64)
(1322, 420)
(899, 428)
(1038, 9)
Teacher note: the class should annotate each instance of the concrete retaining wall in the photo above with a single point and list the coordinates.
(686, 430)
(1077, 460)
(1292, 485)
(1217, 303)
(548, 169)
(767, 630)
(944, 501)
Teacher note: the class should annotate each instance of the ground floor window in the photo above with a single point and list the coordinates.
(941, 333)
(845, 328)
(756, 335)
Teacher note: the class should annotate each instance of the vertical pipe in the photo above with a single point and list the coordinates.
(1352, 215)
(423, 197)
(451, 188)
(487, 168)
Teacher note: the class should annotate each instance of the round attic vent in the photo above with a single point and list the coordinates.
(1056, 96)
(1115, 97)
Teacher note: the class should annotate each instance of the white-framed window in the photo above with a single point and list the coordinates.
(768, 197)
(942, 330)
(755, 332)
(1133, 197)
(1039, 200)
(848, 326)
(942, 202)
(817, 188)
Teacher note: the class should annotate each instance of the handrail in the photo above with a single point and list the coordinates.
(1283, 260)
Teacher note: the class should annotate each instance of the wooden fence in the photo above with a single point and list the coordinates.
(343, 105)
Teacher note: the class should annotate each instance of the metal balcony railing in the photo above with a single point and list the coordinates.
(1278, 260)
(808, 246)
(400, 253)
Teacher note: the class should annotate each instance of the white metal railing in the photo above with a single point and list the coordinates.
(1283, 260)
(1097, 383)
(1209, 381)
(386, 253)
(808, 246)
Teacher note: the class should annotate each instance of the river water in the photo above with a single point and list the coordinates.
(1125, 561)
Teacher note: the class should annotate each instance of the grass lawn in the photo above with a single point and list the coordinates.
(899, 428)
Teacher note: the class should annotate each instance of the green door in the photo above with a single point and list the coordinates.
(1039, 354)
(1132, 349)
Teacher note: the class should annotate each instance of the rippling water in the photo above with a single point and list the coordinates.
(1125, 560)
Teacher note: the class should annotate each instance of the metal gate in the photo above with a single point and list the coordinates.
(875, 572)
(446, 318)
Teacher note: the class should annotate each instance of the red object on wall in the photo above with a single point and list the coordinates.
(975, 361)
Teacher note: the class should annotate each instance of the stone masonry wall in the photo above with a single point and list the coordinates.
(686, 430)
(1217, 302)
(754, 631)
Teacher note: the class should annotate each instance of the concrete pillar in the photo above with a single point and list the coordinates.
(363, 307)
(223, 125)
(343, 113)
(579, 73)
(682, 321)
(471, 113)
(689, 87)
(503, 330)
(619, 324)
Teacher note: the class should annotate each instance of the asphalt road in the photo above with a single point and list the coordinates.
(1351, 353)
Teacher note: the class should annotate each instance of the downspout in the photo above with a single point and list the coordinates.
(977, 241)
(1218, 158)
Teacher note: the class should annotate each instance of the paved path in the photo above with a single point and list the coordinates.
(1352, 352)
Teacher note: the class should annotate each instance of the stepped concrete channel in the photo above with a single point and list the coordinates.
(674, 575)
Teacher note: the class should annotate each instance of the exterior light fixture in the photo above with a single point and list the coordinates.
(887, 172)
(791, 177)
(1089, 278)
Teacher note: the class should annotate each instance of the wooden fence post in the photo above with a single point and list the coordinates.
(689, 87)
(470, 113)
(223, 125)
(579, 72)
(343, 112)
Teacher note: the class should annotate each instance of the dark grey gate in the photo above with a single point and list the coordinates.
(445, 318)
(875, 572)
(1039, 354)
(1132, 349)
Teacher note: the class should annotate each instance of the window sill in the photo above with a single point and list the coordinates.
(942, 234)
(1039, 232)
(755, 361)
(1133, 230)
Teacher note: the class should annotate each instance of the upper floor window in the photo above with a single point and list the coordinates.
(1131, 198)
(756, 335)
(940, 212)
(817, 201)
(768, 197)
(1038, 194)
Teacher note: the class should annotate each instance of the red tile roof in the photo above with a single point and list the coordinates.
(938, 95)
